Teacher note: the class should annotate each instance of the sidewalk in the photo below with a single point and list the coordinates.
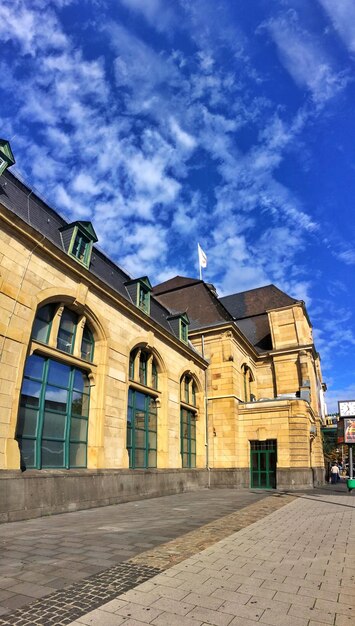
(295, 567)
(285, 559)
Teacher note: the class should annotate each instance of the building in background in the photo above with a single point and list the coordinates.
(265, 401)
(111, 390)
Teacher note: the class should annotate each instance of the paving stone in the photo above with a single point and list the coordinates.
(170, 619)
(101, 618)
(217, 618)
(207, 602)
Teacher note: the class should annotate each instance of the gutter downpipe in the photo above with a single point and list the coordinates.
(206, 418)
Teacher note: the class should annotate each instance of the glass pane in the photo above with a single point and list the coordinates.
(254, 461)
(129, 437)
(81, 381)
(52, 453)
(185, 445)
(40, 330)
(139, 458)
(140, 401)
(34, 367)
(53, 425)
(77, 455)
(193, 460)
(41, 326)
(80, 404)
(185, 460)
(263, 479)
(66, 331)
(139, 420)
(263, 461)
(56, 399)
(152, 458)
(140, 438)
(30, 393)
(193, 394)
(154, 376)
(79, 428)
(152, 422)
(255, 479)
(58, 374)
(27, 450)
(152, 438)
(193, 446)
(27, 422)
(129, 414)
(87, 344)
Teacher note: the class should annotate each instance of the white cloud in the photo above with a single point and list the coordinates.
(342, 14)
(27, 28)
(186, 140)
(347, 256)
(158, 13)
(306, 59)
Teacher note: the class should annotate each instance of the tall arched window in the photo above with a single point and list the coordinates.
(55, 396)
(142, 409)
(188, 414)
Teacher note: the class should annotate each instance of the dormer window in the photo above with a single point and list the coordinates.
(6, 157)
(184, 330)
(81, 247)
(139, 291)
(78, 239)
(180, 325)
(143, 298)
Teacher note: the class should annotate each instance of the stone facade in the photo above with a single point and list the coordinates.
(241, 394)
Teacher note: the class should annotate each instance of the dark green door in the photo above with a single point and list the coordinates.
(263, 460)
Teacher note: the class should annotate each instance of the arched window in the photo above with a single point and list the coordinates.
(142, 409)
(55, 396)
(188, 414)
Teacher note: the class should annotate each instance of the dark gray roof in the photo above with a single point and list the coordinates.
(26, 204)
(256, 301)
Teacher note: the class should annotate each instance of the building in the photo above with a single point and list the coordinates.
(112, 390)
(265, 399)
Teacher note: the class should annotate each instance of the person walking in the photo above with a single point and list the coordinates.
(334, 473)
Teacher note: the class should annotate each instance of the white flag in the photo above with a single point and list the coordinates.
(202, 257)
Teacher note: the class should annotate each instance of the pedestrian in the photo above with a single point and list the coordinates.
(334, 473)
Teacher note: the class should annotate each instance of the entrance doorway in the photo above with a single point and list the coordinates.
(263, 460)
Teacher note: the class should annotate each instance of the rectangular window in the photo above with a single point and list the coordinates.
(81, 247)
(141, 430)
(188, 438)
(53, 416)
(184, 334)
(143, 298)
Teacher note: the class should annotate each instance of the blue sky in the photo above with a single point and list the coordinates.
(225, 122)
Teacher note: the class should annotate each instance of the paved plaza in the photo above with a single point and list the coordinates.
(223, 557)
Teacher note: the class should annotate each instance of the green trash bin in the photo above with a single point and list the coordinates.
(350, 483)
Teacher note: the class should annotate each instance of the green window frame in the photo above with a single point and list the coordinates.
(263, 464)
(141, 430)
(143, 368)
(67, 331)
(154, 375)
(143, 298)
(188, 437)
(80, 247)
(184, 331)
(43, 323)
(53, 416)
(87, 345)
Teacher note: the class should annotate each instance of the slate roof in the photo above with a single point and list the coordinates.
(247, 310)
(196, 298)
(256, 301)
(26, 204)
